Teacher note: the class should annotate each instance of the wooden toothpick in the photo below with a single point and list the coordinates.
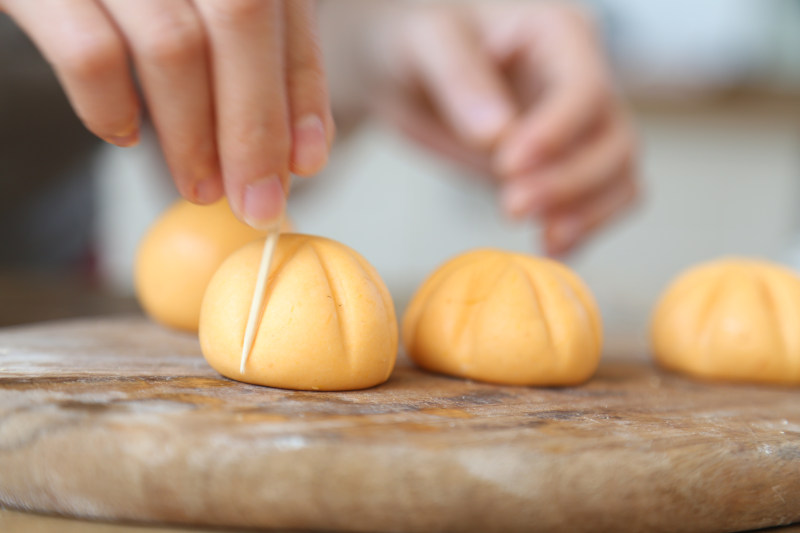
(258, 294)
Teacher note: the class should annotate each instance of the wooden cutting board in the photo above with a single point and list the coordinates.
(121, 419)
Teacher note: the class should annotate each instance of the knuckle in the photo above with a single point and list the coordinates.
(308, 65)
(581, 21)
(259, 142)
(92, 56)
(174, 40)
(307, 82)
(580, 16)
(428, 23)
(238, 10)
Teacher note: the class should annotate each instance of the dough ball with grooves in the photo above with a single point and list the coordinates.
(731, 319)
(505, 318)
(179, 254)
(328, 321)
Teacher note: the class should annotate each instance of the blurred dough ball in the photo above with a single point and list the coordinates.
(731, 319)
(179, 254)
(328, 321)
(507, 318)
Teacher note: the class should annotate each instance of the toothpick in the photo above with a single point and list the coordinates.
(258, 295)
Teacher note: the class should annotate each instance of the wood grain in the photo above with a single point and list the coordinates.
(123, 420)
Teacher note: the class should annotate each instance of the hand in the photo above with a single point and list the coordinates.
(520, 91)
(235, 88)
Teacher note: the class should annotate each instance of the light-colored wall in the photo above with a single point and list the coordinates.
(719, 180)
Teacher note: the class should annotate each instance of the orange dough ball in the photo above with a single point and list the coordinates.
(731, 319)
(178, 256)
(506, 318)
(328, 321)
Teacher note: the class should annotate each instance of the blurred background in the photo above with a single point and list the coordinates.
(714, 87)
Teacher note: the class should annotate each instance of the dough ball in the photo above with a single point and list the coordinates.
(328, 321)
(507, 318)
(731, 319)
(178, 256)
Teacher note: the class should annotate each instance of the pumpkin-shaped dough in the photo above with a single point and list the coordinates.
(179, 254)
(731, 319)
(328, 321)
(505, 318)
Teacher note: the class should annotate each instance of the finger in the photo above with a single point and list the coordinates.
(576, 94)
(90, 60)
(460, 78)
(411, 119)
(567, 229)
(311, 119)
(247, 57)
(169, 51)
(608, 155)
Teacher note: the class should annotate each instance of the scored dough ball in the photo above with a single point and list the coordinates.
(731, 319)
(505, 318)
(179, 254)
(328, 321)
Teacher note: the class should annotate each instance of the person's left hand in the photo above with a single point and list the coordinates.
(518, 91)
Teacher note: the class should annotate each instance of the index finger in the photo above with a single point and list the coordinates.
(576, 92)
(460, 78)
(247, 66)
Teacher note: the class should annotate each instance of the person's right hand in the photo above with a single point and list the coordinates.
(235, 88)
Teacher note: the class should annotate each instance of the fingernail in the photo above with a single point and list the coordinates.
(125, 141)
(310, 151)
(264, 202)
(207, 191)
(487, 119)
(127, 137)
